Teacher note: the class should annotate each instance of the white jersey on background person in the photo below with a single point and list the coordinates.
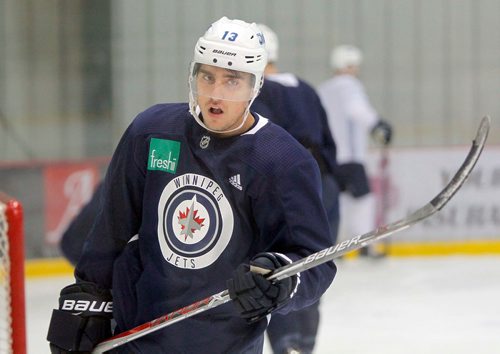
(350, 116)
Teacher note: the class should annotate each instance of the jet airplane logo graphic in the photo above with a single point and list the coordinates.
(189, 221)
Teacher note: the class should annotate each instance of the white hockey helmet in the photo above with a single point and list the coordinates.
(344, 56)
(272, 43)
(233, 45)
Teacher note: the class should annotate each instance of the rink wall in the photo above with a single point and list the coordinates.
(417, 175)
(469, 224)
(53, 191)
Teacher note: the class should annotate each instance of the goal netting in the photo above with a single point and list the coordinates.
(12, 307)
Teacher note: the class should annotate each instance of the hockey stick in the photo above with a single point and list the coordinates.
(320, 257)
(383, 199)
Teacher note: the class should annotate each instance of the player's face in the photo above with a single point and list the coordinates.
(223, 96)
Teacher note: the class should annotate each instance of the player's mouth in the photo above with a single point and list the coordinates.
(215, 111)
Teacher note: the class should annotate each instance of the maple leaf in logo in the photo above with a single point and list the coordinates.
(190, 221)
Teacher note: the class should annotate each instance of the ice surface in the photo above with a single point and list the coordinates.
(395, 305)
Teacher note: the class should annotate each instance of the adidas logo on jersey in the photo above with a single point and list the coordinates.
(236, 181)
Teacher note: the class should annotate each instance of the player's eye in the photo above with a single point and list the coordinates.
(208, 78)
(233, 82)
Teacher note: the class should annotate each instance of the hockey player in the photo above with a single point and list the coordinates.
(196, 192)
(293, 104)
(352, 119)
(73, 238)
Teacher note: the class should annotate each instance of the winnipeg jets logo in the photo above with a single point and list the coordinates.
(195, 221)
(189, 221)
(261, 37)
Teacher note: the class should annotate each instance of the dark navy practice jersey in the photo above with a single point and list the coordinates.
(294, 105)
(181, 209)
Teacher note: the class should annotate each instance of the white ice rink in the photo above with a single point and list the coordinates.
(395, 305)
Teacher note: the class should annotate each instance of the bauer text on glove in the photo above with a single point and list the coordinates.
(83, 319)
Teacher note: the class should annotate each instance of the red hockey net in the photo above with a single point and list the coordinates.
(12, 307)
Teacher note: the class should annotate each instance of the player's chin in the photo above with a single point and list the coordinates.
(217, 124)
(216, 118)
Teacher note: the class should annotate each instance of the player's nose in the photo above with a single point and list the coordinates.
(218, 91)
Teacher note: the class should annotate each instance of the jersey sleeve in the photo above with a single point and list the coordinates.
(357, 104)
(289, 212)
(328, 146)
(118, 218)
(76, 233)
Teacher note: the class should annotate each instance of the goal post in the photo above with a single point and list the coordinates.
(12, 295)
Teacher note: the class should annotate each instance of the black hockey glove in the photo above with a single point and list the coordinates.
(382, 132)
(82, 320)
(353, 179)
(253, 295)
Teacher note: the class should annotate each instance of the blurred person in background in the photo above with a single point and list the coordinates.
(352, 120)
(73, 238)
(294, 105)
